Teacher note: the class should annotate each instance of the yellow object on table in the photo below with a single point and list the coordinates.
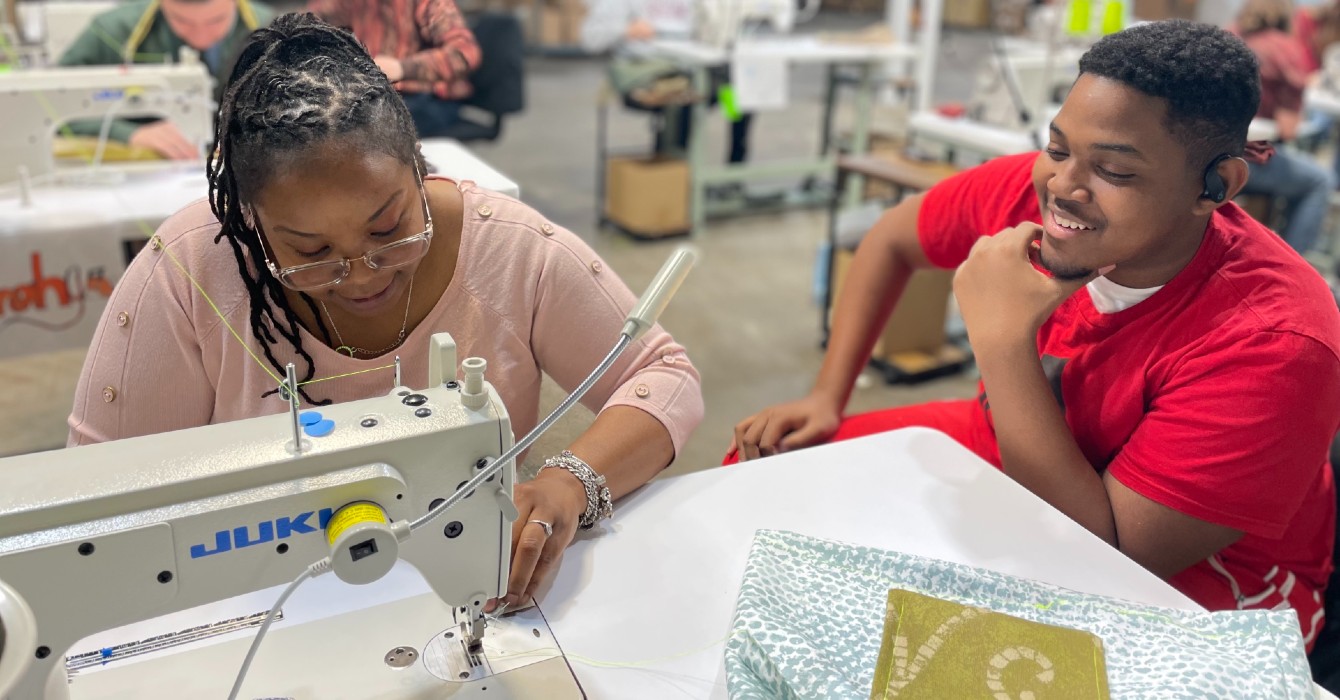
(935, 649)
(84, 148)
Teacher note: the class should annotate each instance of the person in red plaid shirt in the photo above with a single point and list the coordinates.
(423, 46)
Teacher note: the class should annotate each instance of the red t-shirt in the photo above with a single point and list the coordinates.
(1305, 28)
(1218, 396)
(1284, 66)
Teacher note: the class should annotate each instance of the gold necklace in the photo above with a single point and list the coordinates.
(400, 338)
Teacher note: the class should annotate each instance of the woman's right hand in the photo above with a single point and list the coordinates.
(164, 138)
(640, 30)
(785, 427)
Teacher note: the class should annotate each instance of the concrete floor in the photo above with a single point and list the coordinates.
(746, 316)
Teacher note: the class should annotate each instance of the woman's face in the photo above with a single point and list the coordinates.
(341, 203)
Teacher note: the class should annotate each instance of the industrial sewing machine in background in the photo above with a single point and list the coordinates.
(37, 103)
(98, 537)
(719, 23)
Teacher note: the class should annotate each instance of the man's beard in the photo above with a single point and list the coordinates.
(1065, 273)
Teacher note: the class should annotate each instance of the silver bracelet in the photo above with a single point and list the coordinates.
(599, 505)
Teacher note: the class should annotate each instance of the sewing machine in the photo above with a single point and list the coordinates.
(18, 630)
(97, 537)
(36, 103)
(718, 23)
(1023, 77)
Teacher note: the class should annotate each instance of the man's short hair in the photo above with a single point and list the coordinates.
(1207, 76)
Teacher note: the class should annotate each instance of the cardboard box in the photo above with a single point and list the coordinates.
(918, 322)
(648, 197)
(548, 27)
(557, 24)
(967, 14)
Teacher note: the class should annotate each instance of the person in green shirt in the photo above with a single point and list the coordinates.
(151, 31)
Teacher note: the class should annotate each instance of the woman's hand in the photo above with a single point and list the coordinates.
(640, 30)
(554, 497)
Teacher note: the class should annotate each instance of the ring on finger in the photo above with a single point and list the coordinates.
(548, 527)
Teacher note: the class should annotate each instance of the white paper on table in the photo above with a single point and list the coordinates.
(760, 81)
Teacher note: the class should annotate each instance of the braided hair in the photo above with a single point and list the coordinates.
(297, 84)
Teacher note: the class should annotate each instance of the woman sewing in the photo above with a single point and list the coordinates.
(324, 244)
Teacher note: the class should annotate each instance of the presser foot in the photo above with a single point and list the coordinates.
(474, 650)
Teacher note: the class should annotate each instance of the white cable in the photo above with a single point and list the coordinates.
(643, 316)
(624, 340)
(105, 133)
(312, 571)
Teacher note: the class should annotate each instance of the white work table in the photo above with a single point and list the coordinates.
(791, 48)
(84, 233)
(656, 586)
(669, 571)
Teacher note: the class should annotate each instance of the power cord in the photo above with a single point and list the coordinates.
(312, 571)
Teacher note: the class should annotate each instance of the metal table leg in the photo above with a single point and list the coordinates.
(834, 208)
(860, 135)
(696, 146)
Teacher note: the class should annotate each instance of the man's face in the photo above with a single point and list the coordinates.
(1115, 187)
(200, 24)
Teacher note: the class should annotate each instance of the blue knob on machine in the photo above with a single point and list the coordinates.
(320, 428)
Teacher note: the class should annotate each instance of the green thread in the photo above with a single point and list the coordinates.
(283, 389)
(350, 374)
(157, 240)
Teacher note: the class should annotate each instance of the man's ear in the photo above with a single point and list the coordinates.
(1232, 174)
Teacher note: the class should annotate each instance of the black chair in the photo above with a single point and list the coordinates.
(499, 84)
(1325, 657)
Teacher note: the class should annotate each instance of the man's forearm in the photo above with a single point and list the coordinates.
(874, 283)
(1037, 448)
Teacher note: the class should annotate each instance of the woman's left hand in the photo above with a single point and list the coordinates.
(557, 498)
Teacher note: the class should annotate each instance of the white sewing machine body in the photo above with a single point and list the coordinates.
(36, 103)
(718, 23)
(97, 537)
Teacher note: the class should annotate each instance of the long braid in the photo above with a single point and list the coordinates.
(297, 84)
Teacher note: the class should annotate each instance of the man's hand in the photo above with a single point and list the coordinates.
(164, 138)
(640, 30)
(789, 426)
(395, 72)
(555, 497)
(1001, 295)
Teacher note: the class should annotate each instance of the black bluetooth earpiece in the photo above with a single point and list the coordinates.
(1215, 189)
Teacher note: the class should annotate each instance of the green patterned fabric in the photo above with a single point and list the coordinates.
(934, 648)
(810, 617)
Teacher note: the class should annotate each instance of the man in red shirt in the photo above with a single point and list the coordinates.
(1155, 364)
(424, 46)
